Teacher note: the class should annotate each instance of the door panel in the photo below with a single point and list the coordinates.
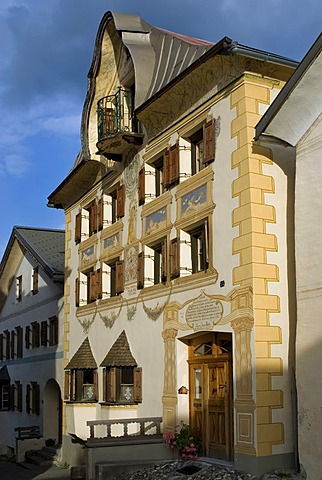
(211, 406)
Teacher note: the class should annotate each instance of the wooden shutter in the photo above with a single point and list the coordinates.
(8, 344)
(209, 141)
(78, 227)
(43, 333)
(175, 258)
(12, 344)
(174, 164)
(19, 342)
(120, 201)
(77, 292)
(12, 397)
(164, 261)
(95, 378)
(99, 286)
(27, 336)
(140, 277)
(104, 385)
(1, 347)
(137, 385)
(35, 280)
(119, 271)
(66, 384)
(111, 387)
(206, 244)
(19, 397)
(92, 286)
(37, 335)
(166, 169)
(142, 186)
(93, 218)
(79, 380)
(28, 398)
(36, 399)
(100, 214)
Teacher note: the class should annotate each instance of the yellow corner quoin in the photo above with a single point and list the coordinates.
(251, 244)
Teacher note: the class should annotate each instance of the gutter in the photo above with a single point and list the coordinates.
(236, 49)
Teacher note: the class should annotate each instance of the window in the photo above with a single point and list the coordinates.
(189, 254)
(4, 395)
(19, 288)
(19, 342)
(8, 344)
(33, 398)
(122, 385)
(152, 264)
(112, 278)
(53, 330)
(100, 213)
(16, 396)
(35, 277)
(203, 145)
(81, 385)
(197, 152)
(43, 333)
(35, 335)
(151, 181)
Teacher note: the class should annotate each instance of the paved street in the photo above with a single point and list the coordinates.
(13, 471)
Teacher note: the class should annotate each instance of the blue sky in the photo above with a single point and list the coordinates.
(46, 48)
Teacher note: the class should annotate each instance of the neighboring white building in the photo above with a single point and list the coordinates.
(31, 333)
(292, 128)
(179, 296)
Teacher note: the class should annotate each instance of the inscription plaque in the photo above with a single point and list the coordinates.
(204, 313)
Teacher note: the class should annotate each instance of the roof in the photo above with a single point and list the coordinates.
(120, 354)
(4, 374)
(83, 358)
(160, 59)
(299, 103)
(46, 245)
(161, 56)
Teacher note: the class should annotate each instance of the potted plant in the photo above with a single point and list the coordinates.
(186, 440)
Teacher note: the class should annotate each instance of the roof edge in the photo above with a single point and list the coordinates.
(288, 88)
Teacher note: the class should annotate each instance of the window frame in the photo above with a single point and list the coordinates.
(74, 385)
(112, 385)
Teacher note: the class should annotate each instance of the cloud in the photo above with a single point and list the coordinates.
(15, 165)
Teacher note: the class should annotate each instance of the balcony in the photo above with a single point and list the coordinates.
(117, 127)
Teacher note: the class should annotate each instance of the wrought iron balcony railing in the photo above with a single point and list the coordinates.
(117, 126)
(114, 114)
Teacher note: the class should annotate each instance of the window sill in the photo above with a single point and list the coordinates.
(118, 405)
(81, 402)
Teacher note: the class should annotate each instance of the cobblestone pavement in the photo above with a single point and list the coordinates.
(202, 470)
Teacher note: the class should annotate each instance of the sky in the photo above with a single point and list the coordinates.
(46, 49)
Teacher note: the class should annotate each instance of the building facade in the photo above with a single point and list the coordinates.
(31, 337)
(178, 301)
(292, 129)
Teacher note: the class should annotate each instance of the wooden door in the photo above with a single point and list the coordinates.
(211, 404)
(218, 410)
